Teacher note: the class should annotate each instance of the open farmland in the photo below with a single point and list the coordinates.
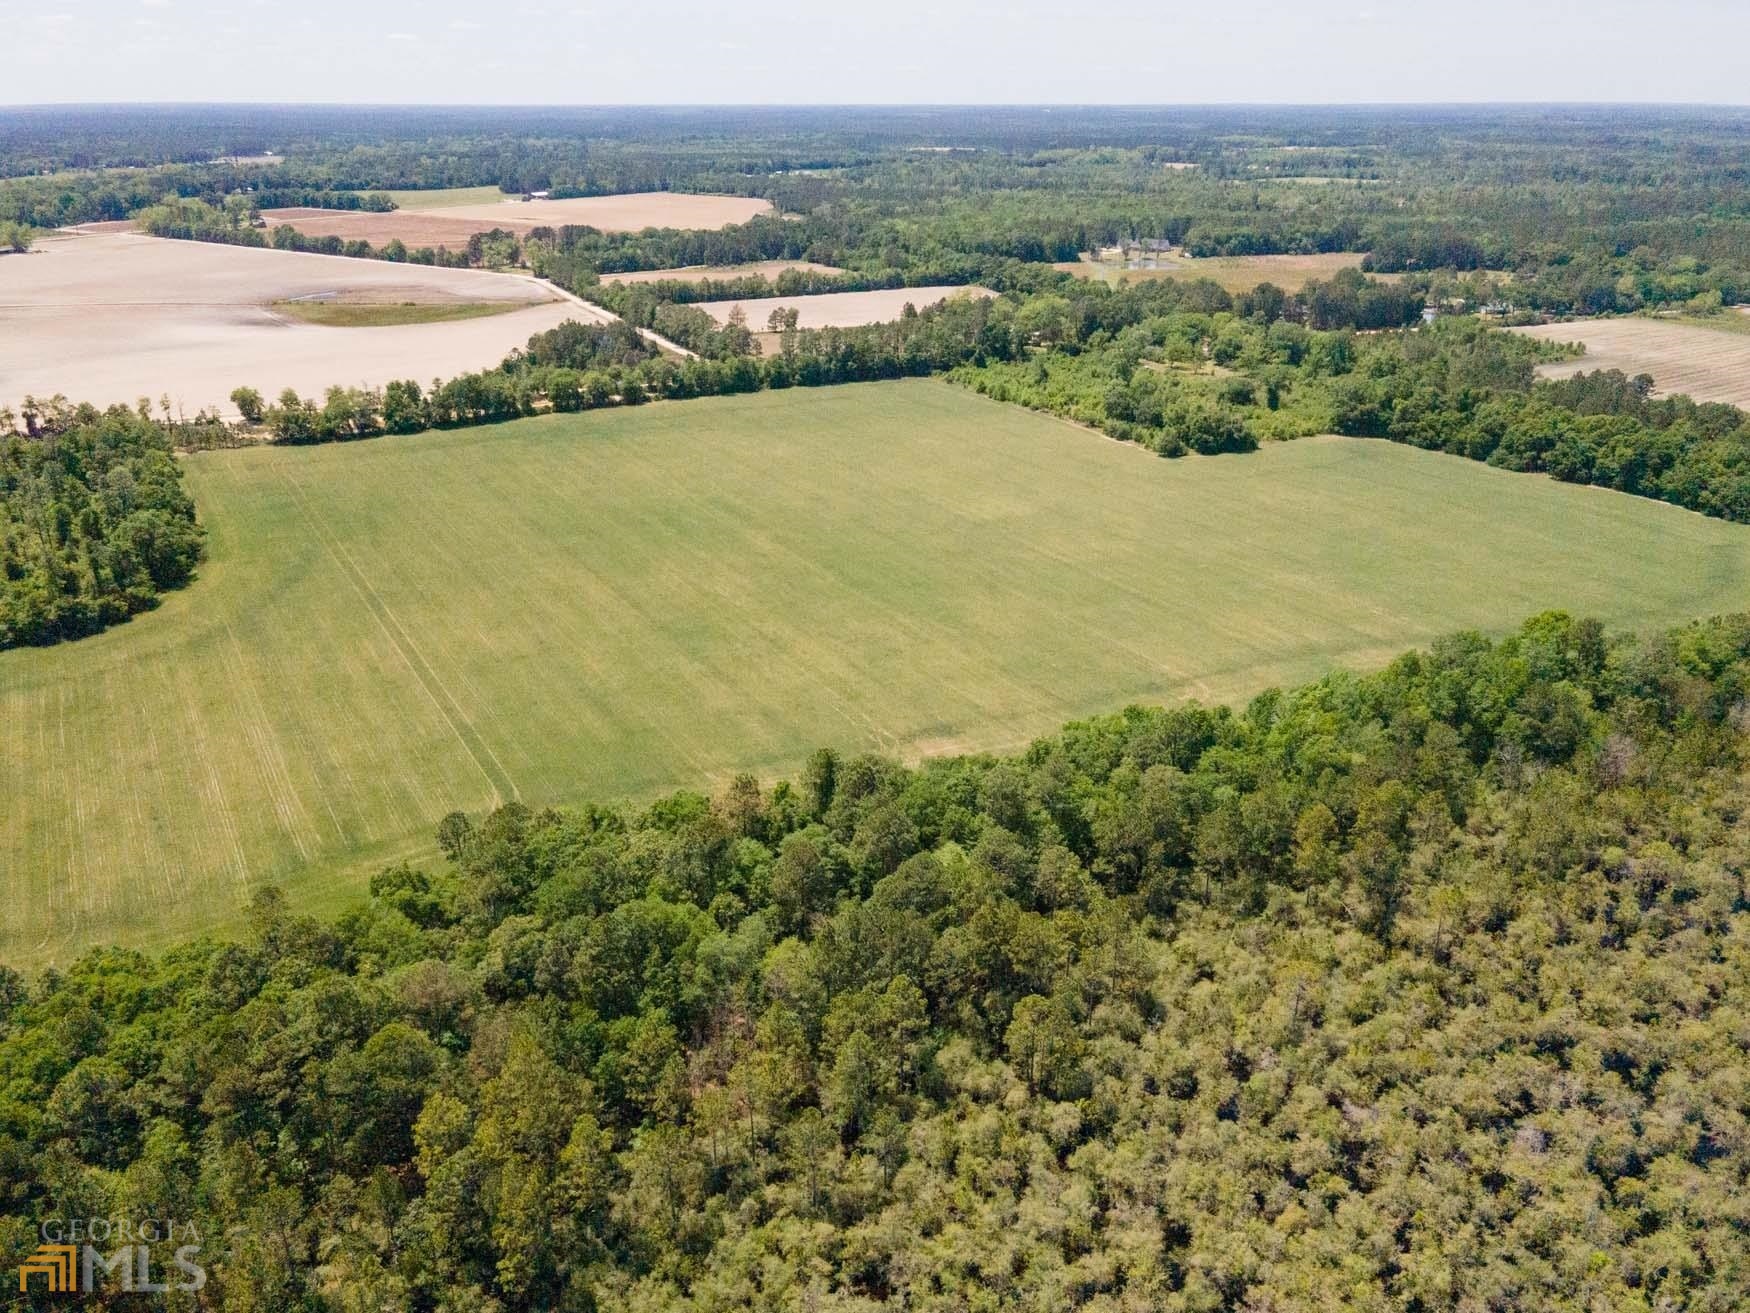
(452, 225)
(1705, 363)
(438, 198)
(698, 273)
(619, 603)
(118, 317)
(415, 228)
(1236, 273)
(838, 309)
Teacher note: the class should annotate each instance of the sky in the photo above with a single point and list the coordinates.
(604, 52)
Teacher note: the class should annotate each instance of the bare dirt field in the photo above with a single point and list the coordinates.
(117, 317)
(697, 273)
(415, 228)
(1708, 364)
(106, 226)
(632, 212)
(1237, 273)
(839, 309)
(452, 225)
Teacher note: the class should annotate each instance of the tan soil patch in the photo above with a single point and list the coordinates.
(452, 225)
(117, 317)
(1705, 363)
(107, 226)
(839, 309)
(632, 212)
(698, 273)
(415, 228)
(1238, 273)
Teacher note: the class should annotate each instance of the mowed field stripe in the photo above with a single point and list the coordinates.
(616, 604)
(442, 699)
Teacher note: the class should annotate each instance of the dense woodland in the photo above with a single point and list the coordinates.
(1589, 209)
(94, 523)
(1420, 991)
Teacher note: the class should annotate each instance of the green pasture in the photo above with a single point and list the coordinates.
(616, 604)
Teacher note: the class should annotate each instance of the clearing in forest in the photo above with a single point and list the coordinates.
(838, 309)
(623, 602)
(1709, 364)
(1235, 273)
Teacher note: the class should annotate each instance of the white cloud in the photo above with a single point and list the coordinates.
(464, 25)
(402, 36)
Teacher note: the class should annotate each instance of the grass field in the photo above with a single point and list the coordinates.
(439, 198)
(353, 314)
(624, 602)
(1708, 363)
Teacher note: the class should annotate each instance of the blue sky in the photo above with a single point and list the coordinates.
(962, 51)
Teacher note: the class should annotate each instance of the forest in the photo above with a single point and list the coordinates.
(1422, 990)
(94, 523)
(1589, 210)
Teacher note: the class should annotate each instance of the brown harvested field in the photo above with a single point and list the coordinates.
(415, 228)
(113, 318)
(698, 273)
(107, 226)
(630, 213)
(452, 225)
(1705, 363)
(839, 309)
(1237, 273)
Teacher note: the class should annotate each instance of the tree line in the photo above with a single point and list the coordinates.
(1468, 391)
(94, 522)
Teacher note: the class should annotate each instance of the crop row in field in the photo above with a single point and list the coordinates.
(1709, 364)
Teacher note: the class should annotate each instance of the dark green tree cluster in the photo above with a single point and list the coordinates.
(1169, 366)
(1417, 991)
(94, 522)
(1469, 391)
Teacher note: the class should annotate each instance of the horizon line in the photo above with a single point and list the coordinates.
(1043, 105)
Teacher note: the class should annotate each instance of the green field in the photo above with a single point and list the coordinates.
(624, 602)
(365, 314)
(439, 198)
